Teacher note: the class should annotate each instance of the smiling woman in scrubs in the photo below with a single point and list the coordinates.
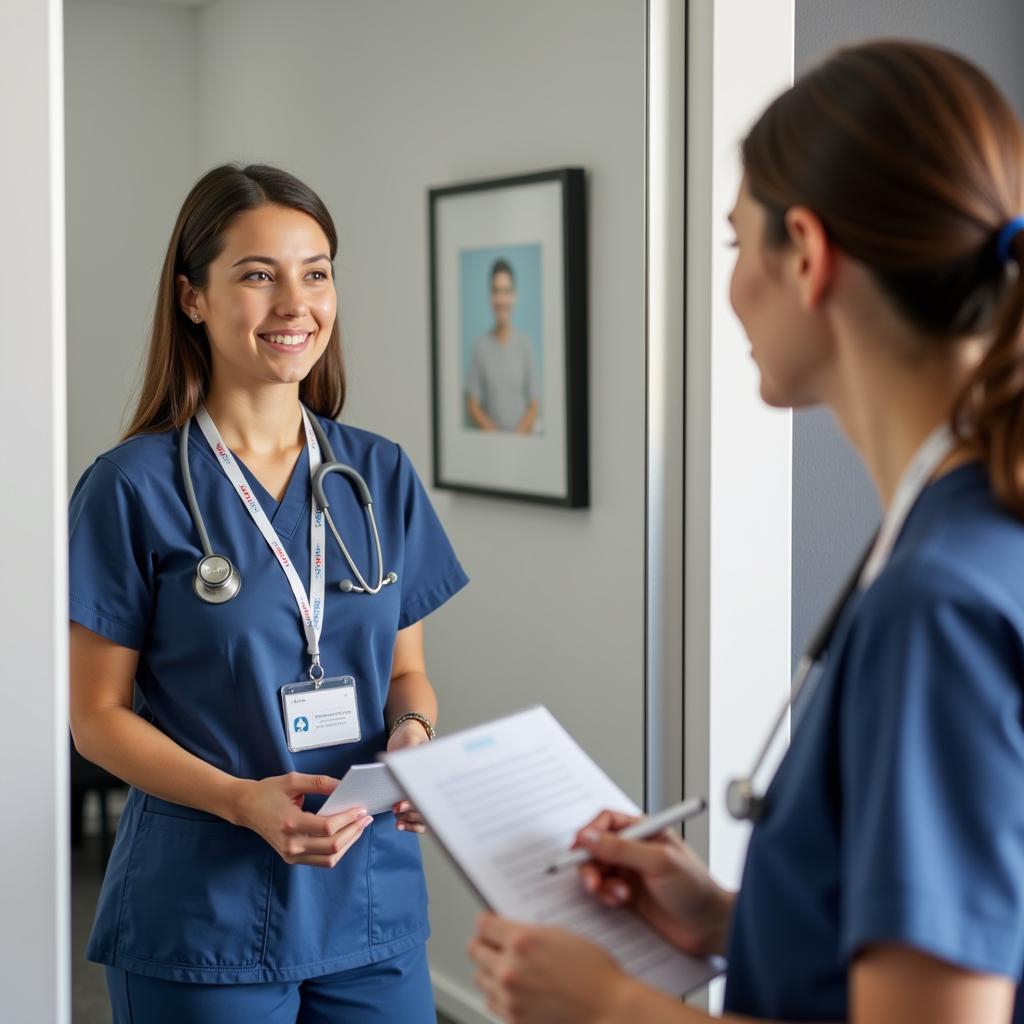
(226, 898)
(880, 247)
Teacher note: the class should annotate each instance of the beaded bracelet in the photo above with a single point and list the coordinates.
(414, 716)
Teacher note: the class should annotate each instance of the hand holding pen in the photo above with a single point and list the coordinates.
(660, 878)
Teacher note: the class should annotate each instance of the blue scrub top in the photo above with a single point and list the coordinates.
(897, 814)
(188, 896)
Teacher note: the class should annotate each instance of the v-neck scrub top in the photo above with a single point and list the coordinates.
(897, 815)
(188, 896)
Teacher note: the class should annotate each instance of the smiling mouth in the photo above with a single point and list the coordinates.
(286, 341)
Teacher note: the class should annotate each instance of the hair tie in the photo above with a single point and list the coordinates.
(1007, 234)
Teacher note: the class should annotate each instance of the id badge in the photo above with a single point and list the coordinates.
(320, 716)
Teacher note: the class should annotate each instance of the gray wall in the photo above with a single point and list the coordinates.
(130, 87)
(835, 508)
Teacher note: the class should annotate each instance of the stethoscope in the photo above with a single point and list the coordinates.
(217, 580)
(742, 800)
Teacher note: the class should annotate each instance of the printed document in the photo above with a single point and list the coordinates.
(508, 797)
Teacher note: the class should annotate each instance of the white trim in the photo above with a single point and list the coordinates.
(738, 452)
(61, 954)
(456, 1001)
(35, 971)
(666, 251)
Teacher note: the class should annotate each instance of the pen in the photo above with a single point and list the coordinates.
(643, 829)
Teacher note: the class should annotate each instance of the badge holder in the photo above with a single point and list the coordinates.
(320, 713)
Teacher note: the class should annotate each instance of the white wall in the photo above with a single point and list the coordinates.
(131, 157)
(34, 939)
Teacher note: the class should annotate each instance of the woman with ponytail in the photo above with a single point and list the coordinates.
(880, 243)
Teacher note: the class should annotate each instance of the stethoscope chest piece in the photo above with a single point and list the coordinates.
(216, 579)
(742, 802)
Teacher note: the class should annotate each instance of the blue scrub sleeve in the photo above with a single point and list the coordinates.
(932, 771)
(431, 573)
(111, 560)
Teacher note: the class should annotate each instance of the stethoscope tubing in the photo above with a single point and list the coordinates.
(190, 491)
(814, 654)
(331, 465)
(742, 800)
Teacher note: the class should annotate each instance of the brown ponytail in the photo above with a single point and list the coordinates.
(914, 162)
(990, 412)
(177, 373)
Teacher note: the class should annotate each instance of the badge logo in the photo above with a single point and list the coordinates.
(301, 724)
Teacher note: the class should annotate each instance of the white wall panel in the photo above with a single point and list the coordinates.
(737, 449)
(34, 937)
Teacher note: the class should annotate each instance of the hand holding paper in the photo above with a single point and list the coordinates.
(364, 785)
(505, 799)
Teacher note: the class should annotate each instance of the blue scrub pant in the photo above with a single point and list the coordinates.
(395, 991)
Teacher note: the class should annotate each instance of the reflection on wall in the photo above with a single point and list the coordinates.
(372, 104)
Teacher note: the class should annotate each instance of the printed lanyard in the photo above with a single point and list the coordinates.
(311, 607)
(927, 459)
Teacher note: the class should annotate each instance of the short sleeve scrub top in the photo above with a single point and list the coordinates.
(188, 896)
(897, 815)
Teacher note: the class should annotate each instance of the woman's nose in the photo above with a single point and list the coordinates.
(291, 300)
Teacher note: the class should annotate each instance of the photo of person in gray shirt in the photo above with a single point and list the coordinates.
(503, 389)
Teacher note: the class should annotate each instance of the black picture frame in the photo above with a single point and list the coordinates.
(546, 463)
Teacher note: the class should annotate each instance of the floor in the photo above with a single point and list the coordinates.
(88, 988)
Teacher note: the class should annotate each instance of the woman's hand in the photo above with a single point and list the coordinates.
(544, 975)
(661, 879)
(273, 809)
(409, 734)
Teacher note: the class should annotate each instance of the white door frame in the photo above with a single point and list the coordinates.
(666, 353)
(738, 452)
(34, 861)
(718, 576)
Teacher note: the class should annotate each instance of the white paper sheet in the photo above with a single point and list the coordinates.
(505, 799)
(365, 785)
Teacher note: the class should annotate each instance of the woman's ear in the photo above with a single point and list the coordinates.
(188, 299)
(812, 255)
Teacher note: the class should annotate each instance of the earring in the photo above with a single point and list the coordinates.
(195, 316)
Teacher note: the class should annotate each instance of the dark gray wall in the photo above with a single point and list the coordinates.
(834, 505)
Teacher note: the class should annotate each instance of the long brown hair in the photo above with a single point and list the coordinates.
(914, 162)
(177, 373)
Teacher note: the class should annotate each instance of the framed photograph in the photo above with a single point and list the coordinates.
(509, 337)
